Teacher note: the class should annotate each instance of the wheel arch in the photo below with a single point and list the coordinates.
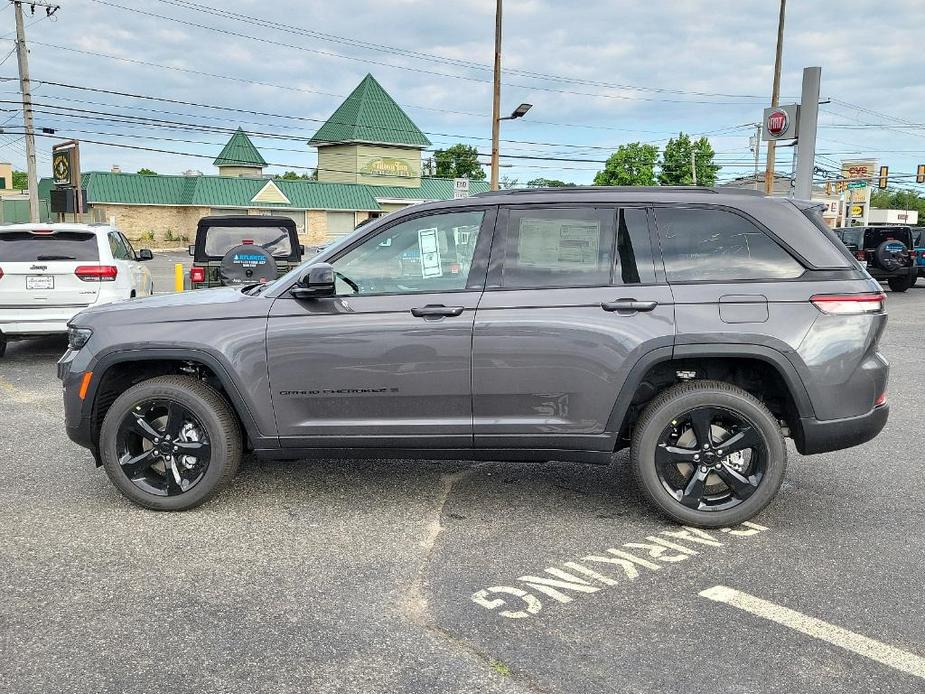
(116, 371)
(657, 369)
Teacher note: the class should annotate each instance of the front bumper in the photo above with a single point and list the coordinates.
(822, 436)
(77, 422)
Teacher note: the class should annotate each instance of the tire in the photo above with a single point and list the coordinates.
(900, 284)
(663, 415)
(2, 346)
(218, 420)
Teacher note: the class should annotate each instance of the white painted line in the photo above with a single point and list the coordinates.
(850, 641)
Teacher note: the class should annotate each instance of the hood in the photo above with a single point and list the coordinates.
(201, 304)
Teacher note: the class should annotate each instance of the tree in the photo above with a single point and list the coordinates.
(676, 162)
(507, 182)
(20, 180)
(632, 164)
(294, 176)
(459, 161)
(548, 183)
(892, 199)
(147, 172)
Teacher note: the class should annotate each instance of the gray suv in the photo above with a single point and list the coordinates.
(697, 327)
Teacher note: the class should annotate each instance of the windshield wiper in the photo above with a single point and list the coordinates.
(55, 257)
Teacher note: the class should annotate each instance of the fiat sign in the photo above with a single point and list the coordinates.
(781, 122)
(777, 122)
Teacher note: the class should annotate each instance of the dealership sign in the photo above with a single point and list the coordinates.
(781, 122)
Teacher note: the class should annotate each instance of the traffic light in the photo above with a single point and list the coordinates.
(920, 174)
(884, 176)
(828, 188)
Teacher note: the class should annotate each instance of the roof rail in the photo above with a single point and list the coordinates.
(620, 189)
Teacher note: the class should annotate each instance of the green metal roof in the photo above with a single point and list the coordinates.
(230, 191)
(240, 151)
(370, 115)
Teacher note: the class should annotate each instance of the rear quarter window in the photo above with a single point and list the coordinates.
(26, 247)
(703, 244)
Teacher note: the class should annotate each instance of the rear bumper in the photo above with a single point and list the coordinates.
(822, 436)
(37, 321)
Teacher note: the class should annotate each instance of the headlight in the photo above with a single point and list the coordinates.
(77, 337)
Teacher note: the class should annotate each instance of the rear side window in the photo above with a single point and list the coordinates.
(26, 247)
(558, 247)
(700, 244)
(220, 240)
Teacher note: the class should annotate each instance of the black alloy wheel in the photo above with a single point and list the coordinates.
(711, 459)
(163, 448)
(708, 453)
(170, 443)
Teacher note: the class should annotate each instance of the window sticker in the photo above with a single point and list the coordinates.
(558, 242)
(428, 243)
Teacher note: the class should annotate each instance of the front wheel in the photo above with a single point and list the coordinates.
(709, 454)
(170, 443)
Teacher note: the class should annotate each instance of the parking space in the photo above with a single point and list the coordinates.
(368, 575)
(162, 268)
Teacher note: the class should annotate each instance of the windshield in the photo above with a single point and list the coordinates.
(220, 240)
(27, 247)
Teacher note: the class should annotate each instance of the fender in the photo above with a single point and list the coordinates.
(103, 362)
(775, 358)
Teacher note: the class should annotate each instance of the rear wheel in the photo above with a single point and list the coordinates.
(170, 443)
(709, 454)
(900, 284)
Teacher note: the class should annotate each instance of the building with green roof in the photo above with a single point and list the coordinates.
(369, 164)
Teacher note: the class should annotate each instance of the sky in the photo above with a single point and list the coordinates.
(598, 73)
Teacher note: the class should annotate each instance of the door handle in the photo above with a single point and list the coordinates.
(628, 305)
(436, 311)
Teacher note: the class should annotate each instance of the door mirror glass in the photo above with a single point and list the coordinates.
(317, 281)
(191, 249)
(145, 254)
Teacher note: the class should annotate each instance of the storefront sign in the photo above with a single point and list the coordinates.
(388, 166)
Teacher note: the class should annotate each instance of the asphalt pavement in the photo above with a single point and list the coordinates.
(421, 576)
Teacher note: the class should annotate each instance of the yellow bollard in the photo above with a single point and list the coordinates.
(178, 277)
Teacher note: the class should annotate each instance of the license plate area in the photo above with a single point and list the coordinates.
(40, 282)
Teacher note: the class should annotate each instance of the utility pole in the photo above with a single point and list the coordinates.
(694, 165)
(496, 100)
(775, 98)
(757, 150)
(26, 90)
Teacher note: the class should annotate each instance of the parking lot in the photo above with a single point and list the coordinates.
(417, 576)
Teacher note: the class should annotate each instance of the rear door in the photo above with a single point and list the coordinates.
(39, 266)
(573, 300)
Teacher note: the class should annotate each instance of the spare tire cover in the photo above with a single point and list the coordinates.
(247, 264)
(889, 255)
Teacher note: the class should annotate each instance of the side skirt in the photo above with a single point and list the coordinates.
(495, 454)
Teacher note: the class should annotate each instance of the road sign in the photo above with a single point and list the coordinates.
(857, 184)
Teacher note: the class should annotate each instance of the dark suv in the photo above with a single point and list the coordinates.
(697, 327)
(888, 253)
(243, 249)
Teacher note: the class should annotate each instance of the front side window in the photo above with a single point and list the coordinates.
(425, 254)
(558, 247)
(716, 245)
(119, 252)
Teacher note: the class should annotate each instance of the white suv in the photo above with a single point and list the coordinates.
(49, 272)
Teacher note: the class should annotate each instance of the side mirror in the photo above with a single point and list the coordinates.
(145, 254)
(316, 282)
(191, 249)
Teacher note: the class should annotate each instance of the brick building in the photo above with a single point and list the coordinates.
(369, 164)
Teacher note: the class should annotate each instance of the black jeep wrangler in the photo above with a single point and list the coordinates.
(243, 249)
(886, 252)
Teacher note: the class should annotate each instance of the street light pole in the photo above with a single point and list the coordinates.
(775, 98)
(496, 100)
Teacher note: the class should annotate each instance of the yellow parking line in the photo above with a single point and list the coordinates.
(850, 641)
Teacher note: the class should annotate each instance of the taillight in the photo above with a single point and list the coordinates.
(197, 274)
(97, 273)
(1, 273)
(860, 255)
(881, 400)
(849, 304)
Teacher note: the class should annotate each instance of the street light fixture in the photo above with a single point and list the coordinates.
(518, 112)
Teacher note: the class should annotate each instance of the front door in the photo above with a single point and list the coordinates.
(572, 301)
(387, 361)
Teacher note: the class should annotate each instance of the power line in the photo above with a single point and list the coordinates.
(332, 54)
